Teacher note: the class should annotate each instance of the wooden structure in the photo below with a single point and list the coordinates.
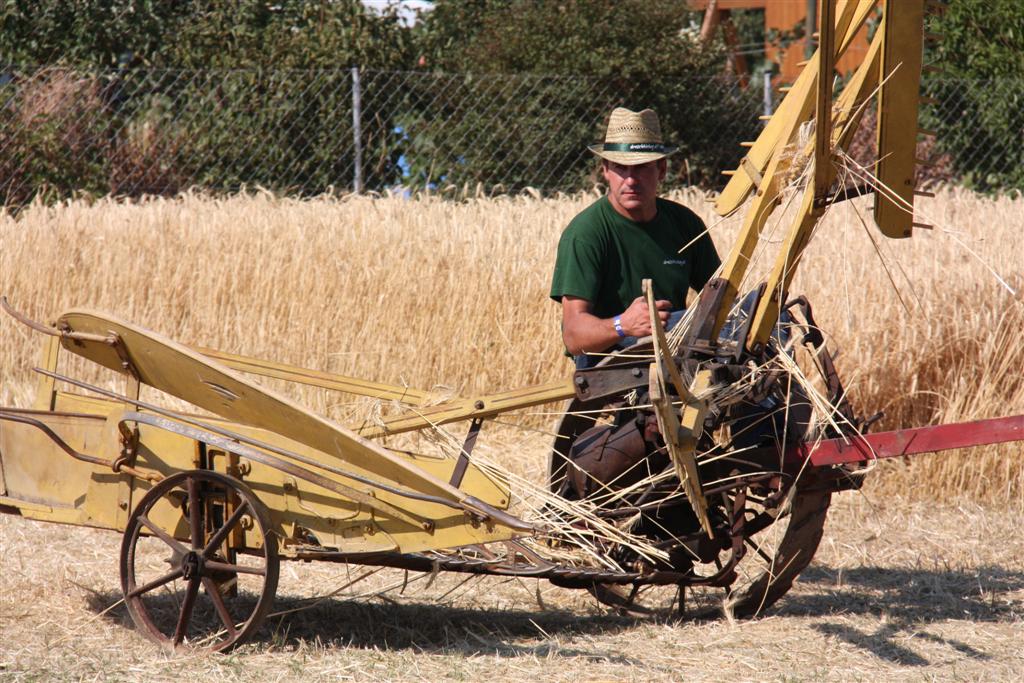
(779, 16)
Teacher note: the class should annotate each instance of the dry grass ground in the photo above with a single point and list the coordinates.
(913, 581)
(898, 591)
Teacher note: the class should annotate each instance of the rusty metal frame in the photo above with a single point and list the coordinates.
(913, 441)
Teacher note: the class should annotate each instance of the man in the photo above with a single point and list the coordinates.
(628, 235)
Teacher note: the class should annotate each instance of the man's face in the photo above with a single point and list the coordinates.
(632, 190)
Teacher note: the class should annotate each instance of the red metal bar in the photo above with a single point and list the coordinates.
(911, 441)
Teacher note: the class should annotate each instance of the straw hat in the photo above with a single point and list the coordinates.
(632, 138)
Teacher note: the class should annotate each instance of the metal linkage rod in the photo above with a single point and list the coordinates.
(910, 441)
(66, 447)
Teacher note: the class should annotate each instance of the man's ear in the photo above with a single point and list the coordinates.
(662, 169)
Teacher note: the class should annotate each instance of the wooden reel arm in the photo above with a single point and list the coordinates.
(891, 68)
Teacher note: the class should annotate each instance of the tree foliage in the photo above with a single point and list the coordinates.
(979, 118)
(646, 53)
(202, 34)
(157, 95)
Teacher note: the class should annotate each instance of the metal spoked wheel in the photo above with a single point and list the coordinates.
(782, 524)
(198, 568)
(779, 541)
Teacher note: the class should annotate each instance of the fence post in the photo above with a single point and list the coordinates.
(810, 26)
(767, 100)
(357, 130)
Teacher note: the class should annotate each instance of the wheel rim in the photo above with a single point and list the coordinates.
(779, 544)
(774, 555)
(188, 580)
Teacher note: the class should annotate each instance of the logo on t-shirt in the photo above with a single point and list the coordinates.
(674, 262)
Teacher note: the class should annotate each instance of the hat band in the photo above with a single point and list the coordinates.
(635, 147)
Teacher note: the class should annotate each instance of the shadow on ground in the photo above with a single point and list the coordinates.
(423, 627)
(903, 600)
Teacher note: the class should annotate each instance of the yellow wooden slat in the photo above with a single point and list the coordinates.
(823, 173)
(798, 104)
(486, 406)
(45, 395)
(845, 115)
(898, 102)
(680, 437)
(681, 444)
(324, 380)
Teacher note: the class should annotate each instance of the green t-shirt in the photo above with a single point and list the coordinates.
(603, 257)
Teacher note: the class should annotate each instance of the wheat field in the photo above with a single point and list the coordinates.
(452, 295)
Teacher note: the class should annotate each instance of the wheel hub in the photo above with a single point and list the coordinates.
(191, 565)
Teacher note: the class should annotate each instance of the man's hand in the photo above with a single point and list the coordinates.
(636, 320)
(583, 332)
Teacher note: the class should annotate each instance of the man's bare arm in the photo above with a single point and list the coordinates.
(583, 332)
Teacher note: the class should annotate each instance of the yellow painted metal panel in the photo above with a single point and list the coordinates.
(39, 473)
(68, 402)
(181, 372)
(45, 513)
(299, 508)
(48, 484)
(484, 486)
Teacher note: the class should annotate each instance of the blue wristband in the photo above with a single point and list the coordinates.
(618, 326)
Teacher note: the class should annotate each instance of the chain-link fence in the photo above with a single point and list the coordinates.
(978, 131)
(162, 131)
(135, 132)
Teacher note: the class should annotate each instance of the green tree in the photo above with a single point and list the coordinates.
(637, 53)
(164, 94)
(201, 34)
(95, 33)
(979, 88)
(289, 34)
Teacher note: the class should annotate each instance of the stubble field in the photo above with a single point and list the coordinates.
(920, 576)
